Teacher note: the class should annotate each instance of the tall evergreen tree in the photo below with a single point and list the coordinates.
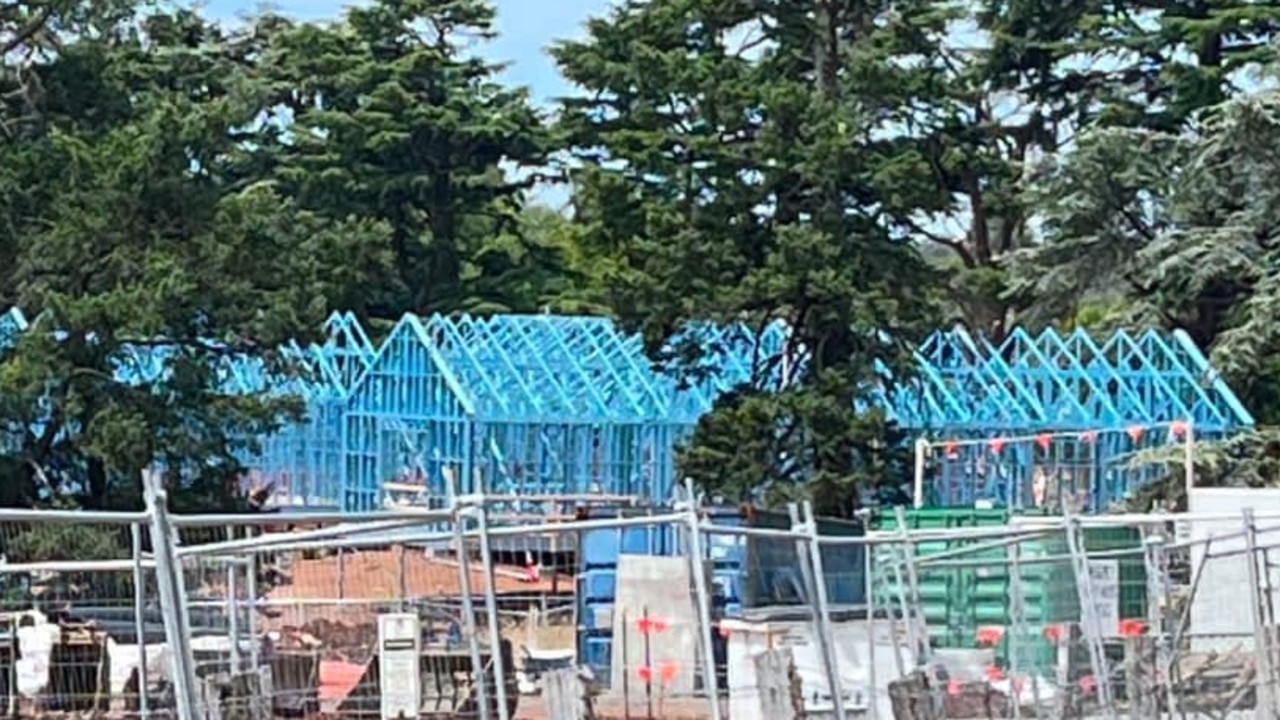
(135, 233)
(394, 115)
(733, 165)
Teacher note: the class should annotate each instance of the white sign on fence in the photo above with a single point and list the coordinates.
(1104, 589)
(399, 647)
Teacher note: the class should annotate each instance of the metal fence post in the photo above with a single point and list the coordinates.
(469, 607)
(140, 618)
(233, 606)
(817, 610)
(1018, 610)
(912, 613)
(260, 702)
(1262, 654)
(169, 580)
(821, 606)
(1092, 626)
(481, 511)
(251, 613)
(1158, 604)
(869, 583)
(702, 596)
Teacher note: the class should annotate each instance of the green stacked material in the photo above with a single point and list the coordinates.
(959, 600)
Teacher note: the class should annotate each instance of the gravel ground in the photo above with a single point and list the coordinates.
(612, 708)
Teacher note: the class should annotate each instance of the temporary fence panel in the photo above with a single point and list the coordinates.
(954, 600)
(308, 610)
(316, 593)
(974, 587)
(1089, 616)
(728, 557)
(764, 570)
(80, 634)
(603, 552)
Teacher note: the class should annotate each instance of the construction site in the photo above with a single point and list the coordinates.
(482, 518)
(984, 614)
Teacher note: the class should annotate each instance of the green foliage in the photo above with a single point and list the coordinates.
(64, 542)
(737, 185)
(169, 185)
(863, 172)
(1248, 460)
(59, 542)
(393, 117)
(1036, 77)
(141, 230)
(1180, 226)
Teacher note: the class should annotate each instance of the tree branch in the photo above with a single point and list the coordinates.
(27, 31)
(957, 246)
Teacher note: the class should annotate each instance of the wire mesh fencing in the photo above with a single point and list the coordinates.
(77, 630)
(1222, 616)
(310, 605)
(305, 617)
(1010, 622)
(1082, 617)
(469, 612)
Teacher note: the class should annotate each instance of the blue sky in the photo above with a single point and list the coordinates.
(526, 28)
